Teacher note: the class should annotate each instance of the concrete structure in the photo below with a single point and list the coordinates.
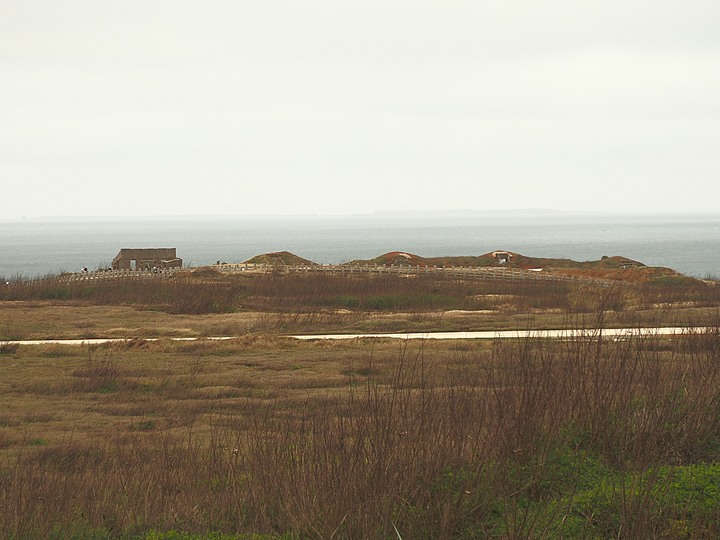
(146, 259)
(502, 257)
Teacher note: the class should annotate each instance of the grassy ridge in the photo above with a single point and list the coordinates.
(212, 292)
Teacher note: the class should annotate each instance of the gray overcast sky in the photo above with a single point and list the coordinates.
(349, 106)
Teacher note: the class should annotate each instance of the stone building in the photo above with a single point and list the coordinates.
(146, 259)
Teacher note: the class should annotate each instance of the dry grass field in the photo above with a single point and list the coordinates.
(208, 303)
(263, 436)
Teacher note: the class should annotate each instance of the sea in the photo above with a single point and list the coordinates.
(687, 243)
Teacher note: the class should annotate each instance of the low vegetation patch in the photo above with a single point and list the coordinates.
(8, 348)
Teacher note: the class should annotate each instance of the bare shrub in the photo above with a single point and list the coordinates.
(529, 438)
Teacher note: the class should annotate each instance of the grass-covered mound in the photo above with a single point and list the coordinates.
(499, 258)
(279, 257)
(615, 267)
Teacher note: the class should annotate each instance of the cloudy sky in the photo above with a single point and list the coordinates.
(352, 106)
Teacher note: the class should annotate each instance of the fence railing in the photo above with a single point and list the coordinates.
(158, 273)
(479, 272)
(491, 273)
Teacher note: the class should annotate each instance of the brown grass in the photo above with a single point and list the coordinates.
(295, 303)
(348, 439)
(355, 439)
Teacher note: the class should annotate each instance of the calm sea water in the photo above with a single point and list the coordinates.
(687, 243)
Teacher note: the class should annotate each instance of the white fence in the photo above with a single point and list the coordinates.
(107, 275)
(477, 272)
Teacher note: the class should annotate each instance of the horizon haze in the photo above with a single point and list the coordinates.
(336, 108)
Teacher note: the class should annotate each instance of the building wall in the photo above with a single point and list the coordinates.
(146, 258)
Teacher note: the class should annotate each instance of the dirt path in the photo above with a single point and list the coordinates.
(618, 334)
